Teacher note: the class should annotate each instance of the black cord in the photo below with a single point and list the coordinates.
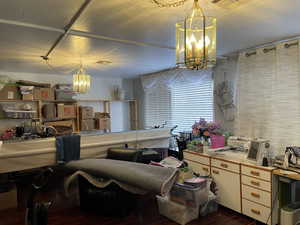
(273, 204)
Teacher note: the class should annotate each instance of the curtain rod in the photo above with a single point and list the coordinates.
(267, 44)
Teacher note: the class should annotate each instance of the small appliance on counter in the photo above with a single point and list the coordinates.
(239, 143)
(258, 152)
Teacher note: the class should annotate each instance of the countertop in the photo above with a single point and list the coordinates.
(88, 140)
(231, 156)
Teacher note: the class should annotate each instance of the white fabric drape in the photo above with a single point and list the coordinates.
(268, 93)
(168, 78)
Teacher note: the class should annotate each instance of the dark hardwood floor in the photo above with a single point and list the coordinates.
(74, 216)
(65, 212)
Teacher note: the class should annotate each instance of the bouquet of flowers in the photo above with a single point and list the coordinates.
(209, 131)
(204, 129)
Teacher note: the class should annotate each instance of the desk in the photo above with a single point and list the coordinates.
(286, 188)
(286, 173)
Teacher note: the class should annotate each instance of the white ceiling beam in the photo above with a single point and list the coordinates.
(83, 34)
(101, 37)
(30, 25)
(67, 28)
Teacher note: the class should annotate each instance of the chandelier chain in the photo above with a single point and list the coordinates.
(169, 5)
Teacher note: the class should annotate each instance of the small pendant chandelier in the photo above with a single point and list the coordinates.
(81, 81)
(196, 40)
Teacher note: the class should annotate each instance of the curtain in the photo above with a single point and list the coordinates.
(169, 78)
(268, 94)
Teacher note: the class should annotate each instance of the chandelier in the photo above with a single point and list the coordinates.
(81, 81)
(196, 40)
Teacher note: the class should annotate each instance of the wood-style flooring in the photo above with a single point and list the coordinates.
(74, 216)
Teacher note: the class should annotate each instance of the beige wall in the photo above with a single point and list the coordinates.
(225, 70)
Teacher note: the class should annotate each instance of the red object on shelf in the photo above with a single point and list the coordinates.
(217, 141)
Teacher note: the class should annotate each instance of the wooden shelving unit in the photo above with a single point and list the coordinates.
(75, 120)
(133, 114)
(39, 106)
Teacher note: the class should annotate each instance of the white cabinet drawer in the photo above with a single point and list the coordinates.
(255, 195)
(225, 165)
(256, 183)
(196, 158)
(256, 211)
(229, 191)
(258, 173)
(199, 168)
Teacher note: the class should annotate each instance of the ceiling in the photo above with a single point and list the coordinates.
(149, 29)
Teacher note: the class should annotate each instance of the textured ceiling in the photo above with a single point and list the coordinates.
(252, 23)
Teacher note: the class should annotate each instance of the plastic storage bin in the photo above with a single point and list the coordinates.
(188, 195)
(179, 213)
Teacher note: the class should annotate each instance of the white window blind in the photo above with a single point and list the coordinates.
(190, 102)
(157, 107)
(182, 105)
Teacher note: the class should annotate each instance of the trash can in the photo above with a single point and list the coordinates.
(290, 214)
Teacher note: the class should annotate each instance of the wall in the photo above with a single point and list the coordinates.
(225, 70)
(100, 89)
(139, 95)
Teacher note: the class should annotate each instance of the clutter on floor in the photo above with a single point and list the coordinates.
(189, 197)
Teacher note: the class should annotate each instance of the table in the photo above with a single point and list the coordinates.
(287, 174)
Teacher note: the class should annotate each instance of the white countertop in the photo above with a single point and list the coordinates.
(232, 156)
(47, 145)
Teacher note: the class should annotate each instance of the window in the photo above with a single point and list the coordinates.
(182, 105)
(190, 102)
(157, 107)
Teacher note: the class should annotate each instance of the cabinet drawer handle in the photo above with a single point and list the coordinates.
(255, 211)
(255, 195)
(255, 183)
(255, 173)
(215, 172)
(205, 169)
(224, 165)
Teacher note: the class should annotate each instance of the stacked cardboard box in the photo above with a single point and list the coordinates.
(64, 92)
(37, 93)
(10, 92)
(102, 121)
(65, 111)
(86, 116)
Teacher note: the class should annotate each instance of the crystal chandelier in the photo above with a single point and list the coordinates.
(196, 40)
(81, 81)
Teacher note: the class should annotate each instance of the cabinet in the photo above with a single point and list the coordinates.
(200, 163)
(258, 194)
(229, 186)
(242, 187)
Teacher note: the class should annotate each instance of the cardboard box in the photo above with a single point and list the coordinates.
(10, 92)
(66, 111)
(88, 124)
(49, 111)
(27, 97)
(86, 112)
(64, 94)
(46, 94)
(102, 115)
(102, 123)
